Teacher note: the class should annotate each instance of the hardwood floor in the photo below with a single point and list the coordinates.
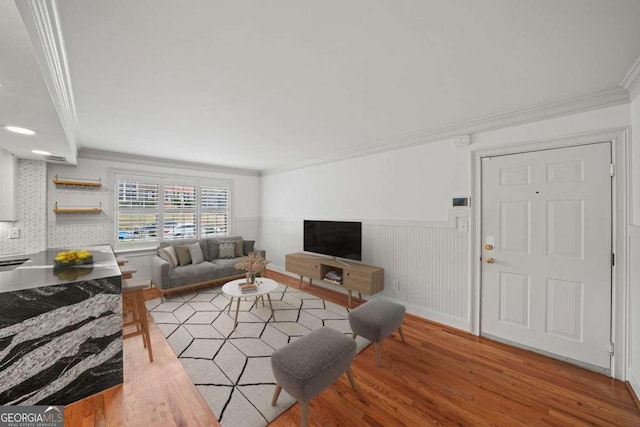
(441, 376)
(153, 394)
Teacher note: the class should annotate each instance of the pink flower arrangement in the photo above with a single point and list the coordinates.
(252, 263)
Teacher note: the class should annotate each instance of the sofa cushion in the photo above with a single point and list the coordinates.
(196, 253)
(169, 254)
(213, 243)
(212, 248)
(227, 250)
(227, 266)
(239, 247)
(203, 245)
(247, 246)
(195, 273)
(183, 254)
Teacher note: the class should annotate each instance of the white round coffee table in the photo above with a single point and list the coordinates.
(264, 285)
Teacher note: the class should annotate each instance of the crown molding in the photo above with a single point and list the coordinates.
(42, 21)
(600, 99)
(631, 81)
(113, 156)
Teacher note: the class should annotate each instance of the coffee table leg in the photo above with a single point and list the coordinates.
(235, 324)
(273, 313)
(228, 305)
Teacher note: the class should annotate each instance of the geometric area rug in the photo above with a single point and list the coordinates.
(232, 369)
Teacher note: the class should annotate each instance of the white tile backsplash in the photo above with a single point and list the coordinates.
(79, 235)
(32, 216)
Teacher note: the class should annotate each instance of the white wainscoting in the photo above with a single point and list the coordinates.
(141, 261)
(429, 259)
(633, 371)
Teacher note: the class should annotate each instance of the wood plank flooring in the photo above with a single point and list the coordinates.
(441, 376)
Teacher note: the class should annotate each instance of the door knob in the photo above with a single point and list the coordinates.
(489, 260)
(488, 247)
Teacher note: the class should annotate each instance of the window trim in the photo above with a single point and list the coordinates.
(167, 179)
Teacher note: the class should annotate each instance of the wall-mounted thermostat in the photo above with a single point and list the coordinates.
(461, 202)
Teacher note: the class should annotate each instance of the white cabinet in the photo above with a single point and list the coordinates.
(8, 186)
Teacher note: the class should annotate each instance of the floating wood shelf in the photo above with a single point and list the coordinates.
(72, 182)
(76, 209)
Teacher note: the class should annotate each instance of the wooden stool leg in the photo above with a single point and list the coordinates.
(377, 346)
(353, 336)
(276, 393)
(350, 376)
(401, 334)
(146, 338)
(305, 414)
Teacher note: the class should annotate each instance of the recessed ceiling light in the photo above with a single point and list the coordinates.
(18, 129)
(44, 153)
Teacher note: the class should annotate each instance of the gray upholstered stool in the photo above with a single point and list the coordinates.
(375, 320)
(307, 366)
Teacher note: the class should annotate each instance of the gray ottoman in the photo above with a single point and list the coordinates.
(307, 366)
(375, 320)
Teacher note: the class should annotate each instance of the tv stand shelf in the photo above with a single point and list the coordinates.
(362, 278)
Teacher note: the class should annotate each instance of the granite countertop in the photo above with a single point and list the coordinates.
(38, 271)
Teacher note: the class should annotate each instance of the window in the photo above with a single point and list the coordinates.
(153, 209)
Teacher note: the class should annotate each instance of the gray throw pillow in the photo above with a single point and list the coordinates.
(169, 254)
(227, 250)
(238, 247)
(196, 253)
(247, 246)
(183, 254)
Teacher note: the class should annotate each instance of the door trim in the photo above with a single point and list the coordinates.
(621, 154)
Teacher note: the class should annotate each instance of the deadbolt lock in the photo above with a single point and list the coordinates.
(488, 247)
(489, 260)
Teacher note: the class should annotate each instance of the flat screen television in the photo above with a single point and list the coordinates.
(342, 239)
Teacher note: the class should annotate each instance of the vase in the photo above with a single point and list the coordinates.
(251, 278)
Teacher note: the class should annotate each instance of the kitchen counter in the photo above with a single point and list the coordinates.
(60, 329)
(38, 271)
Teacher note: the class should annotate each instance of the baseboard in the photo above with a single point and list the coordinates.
(425, 313)
(633, 384)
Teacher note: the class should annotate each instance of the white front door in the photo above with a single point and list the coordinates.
(546, 224)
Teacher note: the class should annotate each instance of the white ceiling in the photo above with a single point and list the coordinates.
(24, 98)
(266, 85)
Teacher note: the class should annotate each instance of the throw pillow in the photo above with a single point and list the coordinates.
(247, 246)
(227, 250)
(239, 247)
(196, 253)
(213, 249)
(169, 254)
(183, 255)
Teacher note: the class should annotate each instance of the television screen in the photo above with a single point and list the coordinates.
(342, 239)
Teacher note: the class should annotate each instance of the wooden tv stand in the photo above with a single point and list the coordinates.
(364, 279)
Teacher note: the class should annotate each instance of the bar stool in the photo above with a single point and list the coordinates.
(127, 271)
(133, 302)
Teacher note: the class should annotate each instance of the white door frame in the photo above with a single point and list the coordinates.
(621, 155)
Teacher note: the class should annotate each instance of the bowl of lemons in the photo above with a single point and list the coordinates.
(72, 258)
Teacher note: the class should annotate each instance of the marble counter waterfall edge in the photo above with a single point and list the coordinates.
(61, 343)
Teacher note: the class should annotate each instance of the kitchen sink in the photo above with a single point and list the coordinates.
(12, 264)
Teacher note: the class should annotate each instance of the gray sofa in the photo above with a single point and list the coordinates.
(211, 270)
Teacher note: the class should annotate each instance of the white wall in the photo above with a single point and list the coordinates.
(31, 211)
(89, 229)
(403, 198)
(634, 253)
